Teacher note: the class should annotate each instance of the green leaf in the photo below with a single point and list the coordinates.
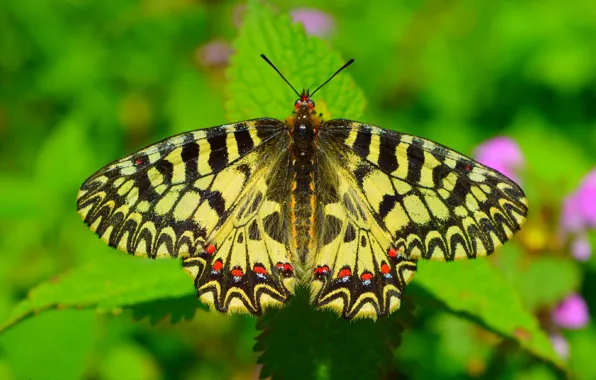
(108, 283)
(299, 342)
(582, 347)
(563, 277)
(56, 345)
(477, 290)
(255, 89)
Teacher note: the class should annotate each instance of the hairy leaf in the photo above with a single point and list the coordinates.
(111, 282)
(255, 89)
(299, 342)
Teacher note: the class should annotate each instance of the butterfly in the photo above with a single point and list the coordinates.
(257, 207)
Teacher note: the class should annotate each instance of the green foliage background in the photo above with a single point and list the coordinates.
(83, 83)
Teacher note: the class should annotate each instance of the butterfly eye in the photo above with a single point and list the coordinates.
(297, 103)
(311, 104)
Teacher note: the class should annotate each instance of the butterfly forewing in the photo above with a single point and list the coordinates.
(202, 196)
(433, 202)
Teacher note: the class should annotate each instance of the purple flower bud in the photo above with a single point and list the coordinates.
(578, 214)
(581, 248)
(502, 154)
(560, 345)
(215, 53)
(572, 216)
(587, 198)
(571, 313)
(315, 22)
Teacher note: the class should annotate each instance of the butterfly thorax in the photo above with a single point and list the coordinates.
(304, 125)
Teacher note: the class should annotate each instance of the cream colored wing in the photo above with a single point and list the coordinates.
(248, 266)
(356, 270)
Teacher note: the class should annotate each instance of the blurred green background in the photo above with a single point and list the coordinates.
(84, 82)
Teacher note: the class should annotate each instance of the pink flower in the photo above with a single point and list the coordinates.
(578, 214)
(572, 215)
(560, 345)
(581, 249)
(571, 313)
(502, 154)
(579, 208)
(586, 198)
(315, 22)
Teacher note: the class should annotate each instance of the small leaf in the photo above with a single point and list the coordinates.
(255, 89)
(110, 282)
(477, 289)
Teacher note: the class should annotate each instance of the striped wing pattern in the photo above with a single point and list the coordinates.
(219, 200)
(397, 198)
(251, 268)
(354, 272)
(201, 196)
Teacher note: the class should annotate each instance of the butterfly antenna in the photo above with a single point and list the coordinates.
(280, 74)
(337, 72)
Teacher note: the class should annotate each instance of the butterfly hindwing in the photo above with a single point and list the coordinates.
(189, 196)
(356, 269)
(249, 267)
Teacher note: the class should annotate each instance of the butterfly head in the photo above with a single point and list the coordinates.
(304, 102)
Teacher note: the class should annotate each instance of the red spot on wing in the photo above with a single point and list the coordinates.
(217, 265)
(138, 161)
(210, 249)
(237, 272)
(366, 276)
(385, 268)
(344, 273)
(468, 168)
(259, 269)
(320, 270)
(285, 268)
(392, 252)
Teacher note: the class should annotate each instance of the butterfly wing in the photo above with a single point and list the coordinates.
(353, 271)
(249, 267)
(400, 198)
(185, 197)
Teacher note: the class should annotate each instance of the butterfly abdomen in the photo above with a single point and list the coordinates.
(302, 150)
